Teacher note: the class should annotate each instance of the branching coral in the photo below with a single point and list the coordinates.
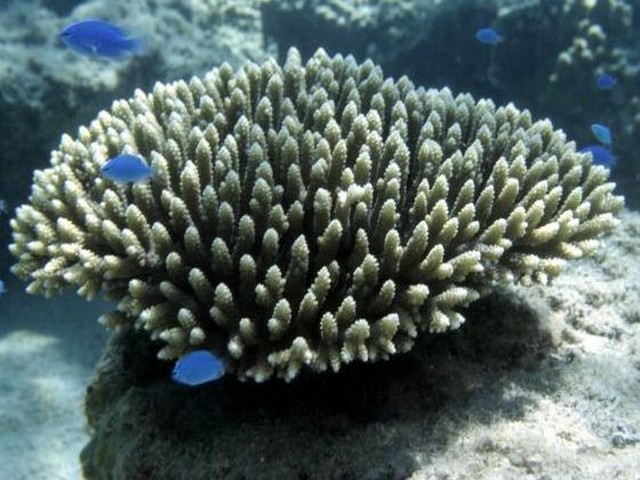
(379, 29)
(588, 39)
(307, 215)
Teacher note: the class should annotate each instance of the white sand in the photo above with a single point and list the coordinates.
(47, 352)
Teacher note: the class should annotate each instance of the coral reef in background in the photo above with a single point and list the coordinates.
(307, 215)
(420, 38)
(561, 68)
(414, 33)
(380, 30)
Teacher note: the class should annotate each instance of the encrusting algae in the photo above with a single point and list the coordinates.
(307, 215)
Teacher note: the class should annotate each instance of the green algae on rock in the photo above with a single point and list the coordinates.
(309, 215)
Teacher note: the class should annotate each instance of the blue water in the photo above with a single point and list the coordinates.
(547, 60)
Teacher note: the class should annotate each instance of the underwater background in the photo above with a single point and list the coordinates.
(564, 403)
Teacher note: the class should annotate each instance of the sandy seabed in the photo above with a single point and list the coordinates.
(570, 410)
(48, 350)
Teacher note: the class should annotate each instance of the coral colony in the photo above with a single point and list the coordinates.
(306, 216)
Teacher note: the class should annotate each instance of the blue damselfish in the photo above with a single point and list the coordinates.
(126, 168)
(198, 367)
(600, 155)
(604, 81)
(602, 133)
(489, 36)
(96, 38)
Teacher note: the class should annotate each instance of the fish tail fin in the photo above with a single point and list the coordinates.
(155, 175)
(136, 45)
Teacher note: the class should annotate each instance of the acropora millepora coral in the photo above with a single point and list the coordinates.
(308, 215)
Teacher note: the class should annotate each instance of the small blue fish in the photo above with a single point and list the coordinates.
(489, 36)
(126, 168)
(3, 290)
(604, 81)
(600, 155)
(198, 367)
(3, 206)
(602, 133)
(96, 38)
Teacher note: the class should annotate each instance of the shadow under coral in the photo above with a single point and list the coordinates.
(367, 422)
